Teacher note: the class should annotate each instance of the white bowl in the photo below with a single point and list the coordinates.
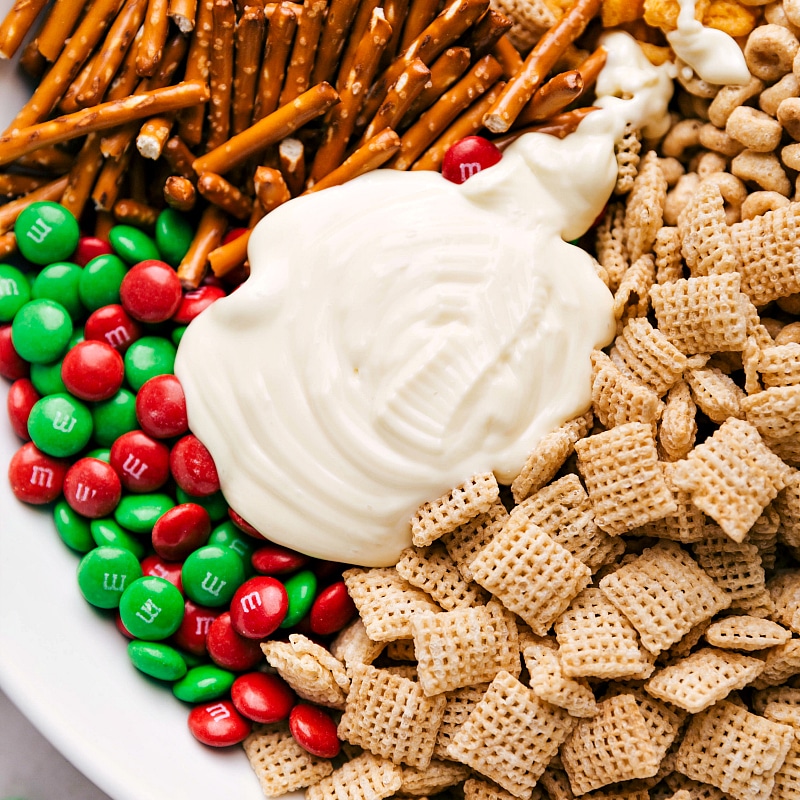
(65, 665)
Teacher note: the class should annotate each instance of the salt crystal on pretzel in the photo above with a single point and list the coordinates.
(510, 736)
(463, 647)
(386, 602)
(734, 750)
(664, 593)
(612, 746)
(280, 763)
(608, 462)
(702, 315)
(706, 676)
(596, 641)
(732, 476)
(364, 776)
(530, 574)
(391, 717)
(548, 456)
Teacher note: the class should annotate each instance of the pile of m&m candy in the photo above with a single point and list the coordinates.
(88, 336)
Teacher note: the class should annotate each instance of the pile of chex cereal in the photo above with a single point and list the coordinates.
(623, 621)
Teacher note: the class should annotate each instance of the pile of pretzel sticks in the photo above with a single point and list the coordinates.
(226, 110)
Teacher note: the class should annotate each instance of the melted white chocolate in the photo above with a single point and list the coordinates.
(711, 53)
(400, 333)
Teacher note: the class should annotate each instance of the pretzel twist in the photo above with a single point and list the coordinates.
(519, 89)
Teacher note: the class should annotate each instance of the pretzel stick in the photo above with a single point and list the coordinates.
(399, 98)
(57, 28)
(338, 20)
(8, 244)
(561, 125)
(278, 125)
(179, 193)
(121, 36)
(395, 11)
(109, 181)
(128, 211)
(220, 73)
(591, 67)
(483, 36)
(271, 8)
(271, 189)
(229, 256)
(357, 30)
(420, 14)
(309, 28)
(291, 155)
(190, 125)
(103, 223)
(156, 26)
(69, 101)
(17, 23)
(117, 141)
(456, 18)
(153, 136)
(12, 185)
(74, 54)
(483, 75)
(375, 153)
(32, 61)
(221, 193)
(102, 117)
(467, 124)
(551, 98)
(508, 56)
(179, 157)
(82, 176)
(49, 160)
(209, 233)
(126, 79)
(445, 71)
(249, 47)
(340, 120)
(519, 89)
(183, 14)
(282, 26)
(50, 191)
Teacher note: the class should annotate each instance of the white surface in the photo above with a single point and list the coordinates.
(65, 666)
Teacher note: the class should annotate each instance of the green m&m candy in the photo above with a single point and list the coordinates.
(60, 282)
(215, 503)
(301, 589)
(60, 425)
(72, 528)
(203, 683)
(151, 608)
(139, 512)
(148, 357)
(46, 378)
(41, 331)
(174, 234)
(46, 232)
(211, 575)
(131, 244)
(100, 280)
(105, 572)
(15, 291)
(106, 532)
(157, 660)
(113, 417)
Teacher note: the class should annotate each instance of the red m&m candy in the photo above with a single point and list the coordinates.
(114, 326)
(467, 157)
(229, 649)
(22, 397)
(218, 724)
(181, 530)
(161, 407)
(314, 730)
(35, 477)
(262, 697)
(196, 301)
(193, 468)
(92, 370)
(12, 365)
(332, 609)
(142, 463)
(259, 607)
(151, 291)
(92, 488)
(195, 626)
